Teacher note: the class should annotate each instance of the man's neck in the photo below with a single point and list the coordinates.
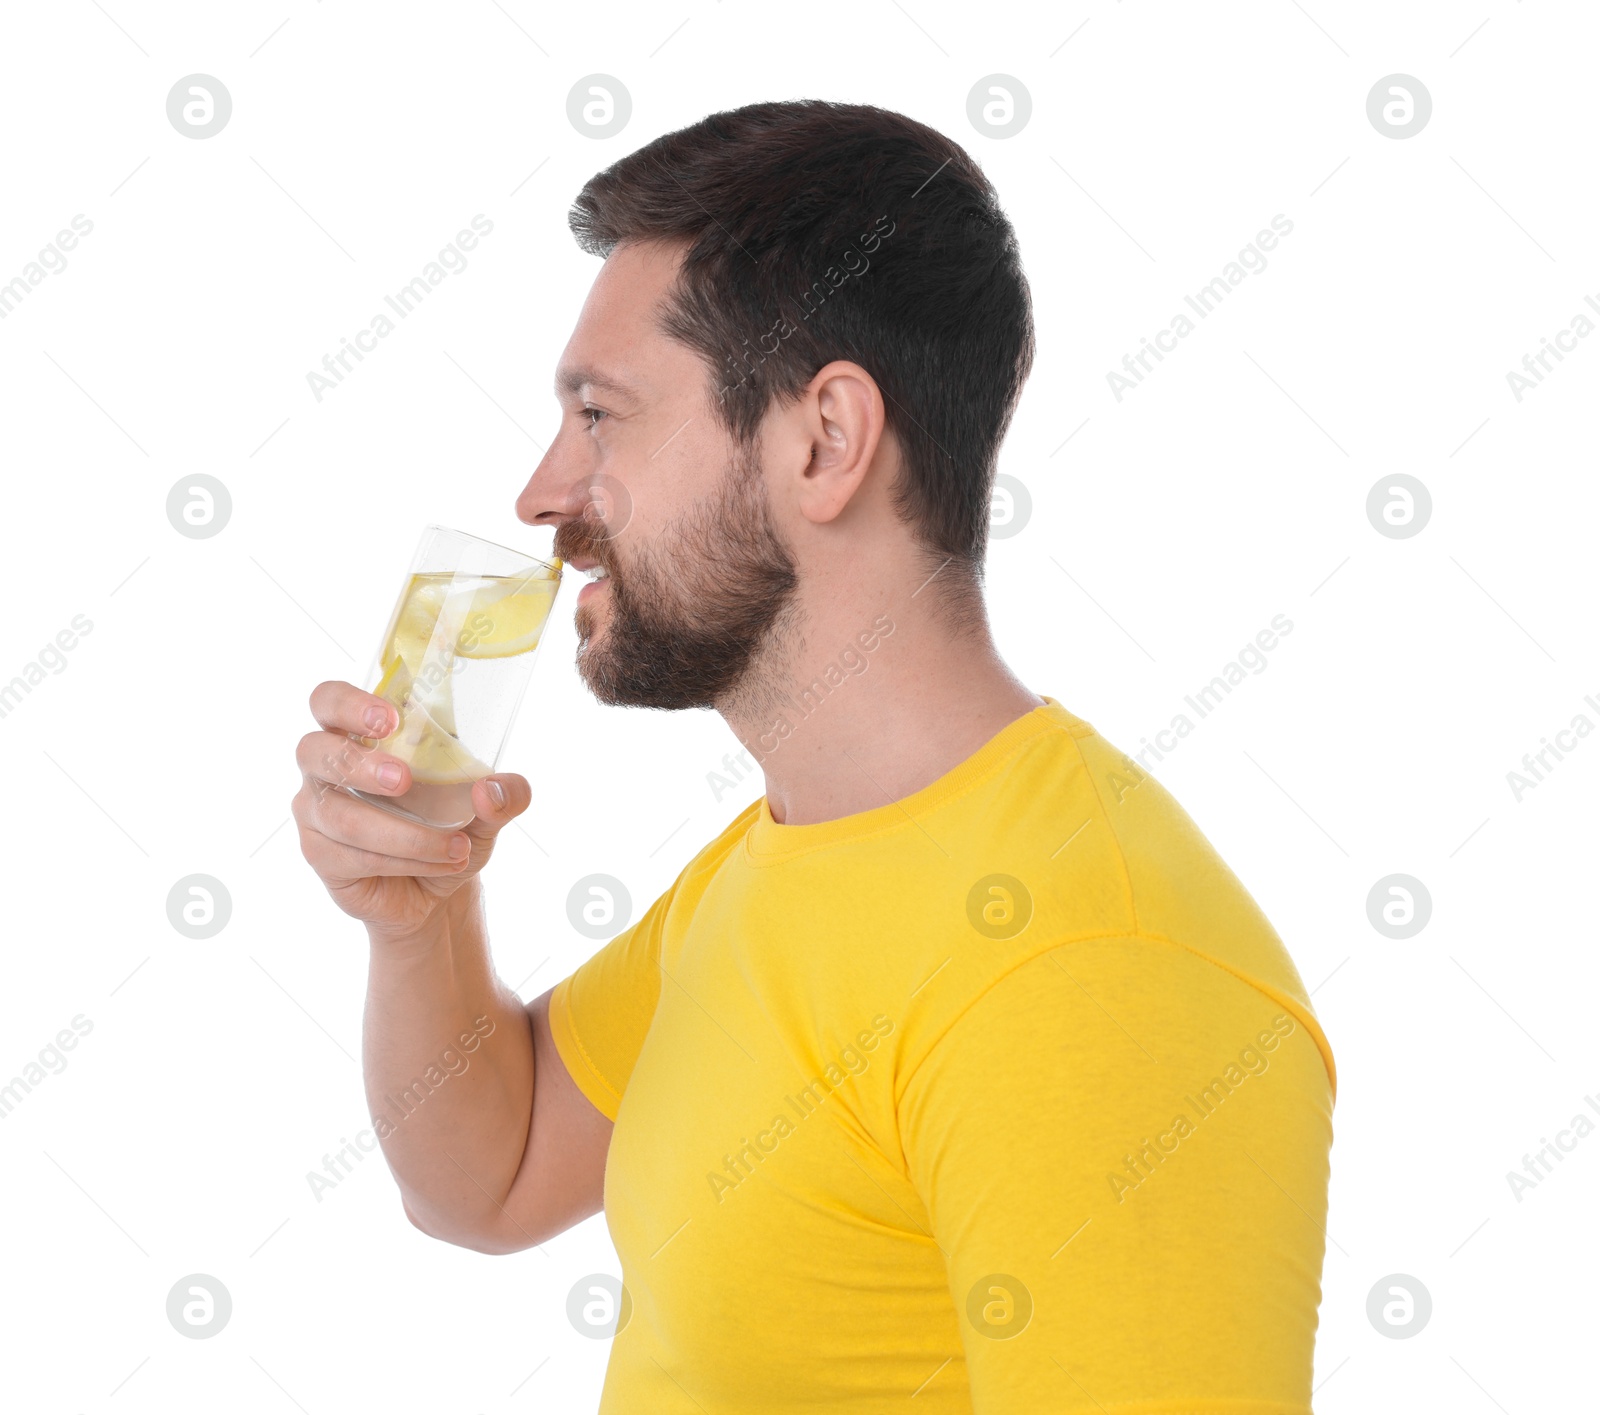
(864, 714)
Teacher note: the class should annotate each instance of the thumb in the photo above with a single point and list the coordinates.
(497, 801)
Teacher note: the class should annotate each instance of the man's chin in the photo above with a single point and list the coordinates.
(598, 667)
(618, 680)
(588, 619)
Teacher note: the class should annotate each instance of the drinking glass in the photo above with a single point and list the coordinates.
(455, 661)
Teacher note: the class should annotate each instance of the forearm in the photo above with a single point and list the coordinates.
(447, 1053)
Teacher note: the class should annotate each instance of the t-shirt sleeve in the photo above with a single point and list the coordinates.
(1122, 1148)
(600, 1013)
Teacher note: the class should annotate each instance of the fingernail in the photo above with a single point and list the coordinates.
(497, 793)
(389, 774)
(377, 719)
(460, 847)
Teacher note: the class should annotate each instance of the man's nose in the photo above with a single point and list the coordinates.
(551, 498)
(593, 496)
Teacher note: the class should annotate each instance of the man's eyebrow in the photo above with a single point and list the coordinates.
(572, 380)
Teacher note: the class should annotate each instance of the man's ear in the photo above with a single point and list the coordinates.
(845, 420)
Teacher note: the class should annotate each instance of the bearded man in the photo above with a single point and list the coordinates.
(958, 1069)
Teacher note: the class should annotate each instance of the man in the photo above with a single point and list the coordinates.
(956, 1069)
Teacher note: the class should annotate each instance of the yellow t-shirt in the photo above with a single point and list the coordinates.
(1003, 1098)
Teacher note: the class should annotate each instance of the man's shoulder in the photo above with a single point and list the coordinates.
(713, 855)
(1099, 847)
(1076, 843)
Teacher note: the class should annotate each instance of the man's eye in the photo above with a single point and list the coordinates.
(594, 415)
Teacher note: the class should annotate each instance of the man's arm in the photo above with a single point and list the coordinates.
(1123, 1151)
(493, 1146)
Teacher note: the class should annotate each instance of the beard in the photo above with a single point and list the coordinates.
(689, 611)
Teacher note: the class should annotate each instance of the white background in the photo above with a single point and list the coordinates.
(1229, 487)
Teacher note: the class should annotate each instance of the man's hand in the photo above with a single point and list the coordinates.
(393, 874)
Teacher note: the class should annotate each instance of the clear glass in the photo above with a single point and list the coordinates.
(455, 661)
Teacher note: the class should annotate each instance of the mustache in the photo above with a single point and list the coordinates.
(583, 537)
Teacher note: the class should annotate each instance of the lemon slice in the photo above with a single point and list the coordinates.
(436, 757)
(502, 624)
(395, 683)
(415, 625)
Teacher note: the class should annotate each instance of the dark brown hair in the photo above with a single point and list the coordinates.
(815, 231)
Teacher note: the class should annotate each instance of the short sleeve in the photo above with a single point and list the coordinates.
(1123, 1151)
(600, 1013)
